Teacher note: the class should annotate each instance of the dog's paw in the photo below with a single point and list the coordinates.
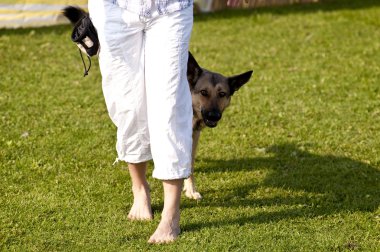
(193, 194)
(190, 189)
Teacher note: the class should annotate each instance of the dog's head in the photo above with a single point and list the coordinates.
(211, 92)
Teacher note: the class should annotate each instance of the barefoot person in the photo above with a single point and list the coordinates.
(143, 61)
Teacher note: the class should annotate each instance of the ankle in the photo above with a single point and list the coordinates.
(141, 193)
(143, 187)
(172, 215)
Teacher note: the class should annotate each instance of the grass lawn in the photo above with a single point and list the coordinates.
(293, 166)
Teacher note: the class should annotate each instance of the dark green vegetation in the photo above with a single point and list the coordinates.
(294, 165)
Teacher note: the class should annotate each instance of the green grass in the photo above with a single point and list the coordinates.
(294, 165)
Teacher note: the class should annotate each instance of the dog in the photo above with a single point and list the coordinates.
(211, 94)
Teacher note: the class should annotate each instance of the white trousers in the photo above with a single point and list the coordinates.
(143, 62)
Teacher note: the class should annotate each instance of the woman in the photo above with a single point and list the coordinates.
(143, 60)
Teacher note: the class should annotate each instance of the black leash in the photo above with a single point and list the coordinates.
(86, 70)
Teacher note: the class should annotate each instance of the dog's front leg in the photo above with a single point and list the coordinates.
(189, 184)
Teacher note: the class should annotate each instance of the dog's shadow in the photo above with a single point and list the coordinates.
(323, 185)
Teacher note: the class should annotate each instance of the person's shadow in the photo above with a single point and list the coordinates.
(323, 185)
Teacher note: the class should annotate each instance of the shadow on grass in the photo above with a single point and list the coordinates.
(323, 185)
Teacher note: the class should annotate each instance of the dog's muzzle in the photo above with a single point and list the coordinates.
(211, 117)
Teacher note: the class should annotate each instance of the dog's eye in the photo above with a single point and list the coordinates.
(222, 94)
(204, 93)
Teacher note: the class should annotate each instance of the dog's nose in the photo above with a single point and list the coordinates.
(214, 115)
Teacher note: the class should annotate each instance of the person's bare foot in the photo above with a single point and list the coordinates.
(168, 229)
(141, 208)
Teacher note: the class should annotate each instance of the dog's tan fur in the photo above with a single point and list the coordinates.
(211, 94)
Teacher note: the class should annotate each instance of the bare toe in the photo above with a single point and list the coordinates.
(140, 213)
(162, 236)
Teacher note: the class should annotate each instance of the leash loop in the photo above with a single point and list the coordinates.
(86, 70)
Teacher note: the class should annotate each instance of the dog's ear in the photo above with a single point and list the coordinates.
(194, 71)
(235, 82)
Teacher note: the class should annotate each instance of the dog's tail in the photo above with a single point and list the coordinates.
(74, 14)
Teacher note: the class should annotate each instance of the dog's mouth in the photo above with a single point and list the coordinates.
(211, 117)
(210, 123)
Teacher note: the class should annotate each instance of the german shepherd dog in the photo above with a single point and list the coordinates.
(211, 94)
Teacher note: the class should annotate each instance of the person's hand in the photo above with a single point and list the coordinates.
(233, 3)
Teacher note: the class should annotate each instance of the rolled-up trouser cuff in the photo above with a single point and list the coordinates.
(135, 159)
(181, 174)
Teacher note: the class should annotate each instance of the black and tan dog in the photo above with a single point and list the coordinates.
(211, 94)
